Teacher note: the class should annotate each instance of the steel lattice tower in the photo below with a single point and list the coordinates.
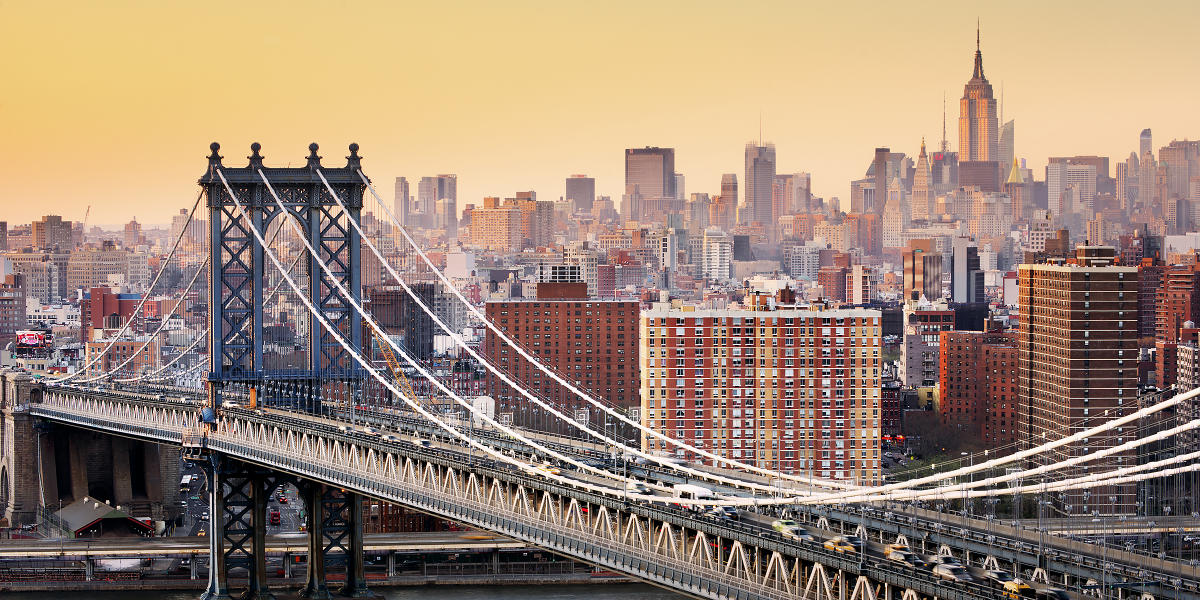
(238, 264)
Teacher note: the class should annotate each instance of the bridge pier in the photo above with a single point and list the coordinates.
(356, 576)
(237, 518)
(314, 583)
(218, 575)
(261, 487)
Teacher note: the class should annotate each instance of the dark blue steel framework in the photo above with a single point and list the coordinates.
(238, 263)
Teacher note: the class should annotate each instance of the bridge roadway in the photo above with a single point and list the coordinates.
(667, 546)
(1020, 548)
(294, 543)
(1116, 526)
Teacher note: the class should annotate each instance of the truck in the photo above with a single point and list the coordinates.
(687, 491)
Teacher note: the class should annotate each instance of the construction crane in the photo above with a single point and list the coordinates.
(401, 379)
(83, 225)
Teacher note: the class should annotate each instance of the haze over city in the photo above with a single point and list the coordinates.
(600, 301)
(111, 104)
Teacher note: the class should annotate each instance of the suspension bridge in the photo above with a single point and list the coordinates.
(293, 380)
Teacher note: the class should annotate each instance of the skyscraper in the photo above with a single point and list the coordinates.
(729, 188)
(1007, 152)
(922, 271)
(922, 196)
(1147, 178)
(133, 233)
(581, 193)
(52, 231)
(402, 203)
(966, 278)
(760, 179)
(1019, 193)
(792, 195)
(1145, 142)
(652, 170)
(977, 128)
(1077, 357)
(879, 171)
(440, 191)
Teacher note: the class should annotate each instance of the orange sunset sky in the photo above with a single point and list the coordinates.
(114, 104)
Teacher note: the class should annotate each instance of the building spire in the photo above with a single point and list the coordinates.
(978, 54)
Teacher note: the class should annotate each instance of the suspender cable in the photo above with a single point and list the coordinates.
(420, 368)
(534, 398)
(582, 427)
(341, 340)
(157, 330)
(1076, 437)
(920, 494)
(162, 268)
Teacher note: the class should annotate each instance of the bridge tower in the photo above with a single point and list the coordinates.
(240, 272)
(242, 276)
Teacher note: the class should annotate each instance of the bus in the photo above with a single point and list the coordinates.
(185, 484)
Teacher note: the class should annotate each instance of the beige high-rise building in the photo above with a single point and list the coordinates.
(978, 130)
(92, 267)
(921, 203)
(496, 227)
(777, 386)
(52, 232)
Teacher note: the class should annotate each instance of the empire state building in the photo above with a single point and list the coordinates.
(978, 131)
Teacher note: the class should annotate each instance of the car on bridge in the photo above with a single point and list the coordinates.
(637, 487)
(1016, 590)
(719, 513)
(953, 572)
(840, 545)
(998, 578)
(1051, 594)
(908, 558)
(548, 468)
(789, 529)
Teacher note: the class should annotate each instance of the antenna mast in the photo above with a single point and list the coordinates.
(945, 145)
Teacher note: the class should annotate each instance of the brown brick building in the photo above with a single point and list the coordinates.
(1000, 408)
(593, 343)
(977, 385)
(1077, 358)
(1177, 302)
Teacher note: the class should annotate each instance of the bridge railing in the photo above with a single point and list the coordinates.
(52, 524)
(536, 529)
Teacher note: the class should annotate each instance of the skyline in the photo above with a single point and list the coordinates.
(525, 112)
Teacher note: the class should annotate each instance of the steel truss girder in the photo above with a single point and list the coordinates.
(666, 547)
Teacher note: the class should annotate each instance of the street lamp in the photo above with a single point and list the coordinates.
(971, 479)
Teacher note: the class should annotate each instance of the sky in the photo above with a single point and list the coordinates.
(114, 104)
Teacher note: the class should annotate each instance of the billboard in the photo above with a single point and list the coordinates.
(33, 342)
(31, 339)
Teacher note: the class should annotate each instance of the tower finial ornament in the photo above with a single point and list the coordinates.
(978, 74)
